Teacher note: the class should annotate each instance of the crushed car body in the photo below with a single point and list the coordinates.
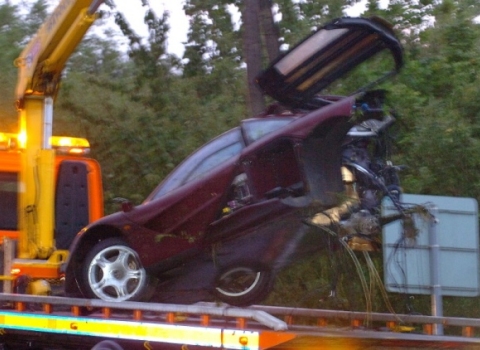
(241, 207)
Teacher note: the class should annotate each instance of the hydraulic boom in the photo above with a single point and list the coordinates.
(40, 68)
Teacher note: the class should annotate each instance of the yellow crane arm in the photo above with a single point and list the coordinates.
(43, 59)
(40, 67)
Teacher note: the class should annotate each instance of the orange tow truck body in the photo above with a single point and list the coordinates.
(78, 198)
(56, 196)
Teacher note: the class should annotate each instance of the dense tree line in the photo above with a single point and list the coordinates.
(144, 109)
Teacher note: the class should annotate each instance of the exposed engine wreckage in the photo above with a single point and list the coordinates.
(368, 179)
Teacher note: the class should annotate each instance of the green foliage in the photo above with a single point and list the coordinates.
(300, 18)
(12, 35)
(438, 108)
(211, 37)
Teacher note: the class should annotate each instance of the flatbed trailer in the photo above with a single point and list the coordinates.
(51, 322)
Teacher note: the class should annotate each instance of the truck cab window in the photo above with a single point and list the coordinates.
(8, 201)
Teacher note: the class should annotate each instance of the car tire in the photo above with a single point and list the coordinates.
(243, 284)
(107, 345)
(112, 272)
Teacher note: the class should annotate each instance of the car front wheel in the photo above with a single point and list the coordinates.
(243, 284)
(113, 272)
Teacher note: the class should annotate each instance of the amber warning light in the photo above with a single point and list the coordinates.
(61, 144)
(7, 141)
(70, 145)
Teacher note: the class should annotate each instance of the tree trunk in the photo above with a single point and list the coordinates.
(253, 53)
(269, 29)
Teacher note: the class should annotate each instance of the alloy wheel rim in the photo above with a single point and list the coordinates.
(115, 274)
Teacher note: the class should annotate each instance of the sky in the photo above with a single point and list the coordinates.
(134, 13)
(179, 22)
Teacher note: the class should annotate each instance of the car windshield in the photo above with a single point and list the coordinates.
(206, 158)
(217, 151)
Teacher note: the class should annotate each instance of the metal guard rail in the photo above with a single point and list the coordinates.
(204, 309)
(268, 316)
(356, 318)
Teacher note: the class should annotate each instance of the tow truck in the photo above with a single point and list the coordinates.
(32, 164)
(78, 200)
(59, 189)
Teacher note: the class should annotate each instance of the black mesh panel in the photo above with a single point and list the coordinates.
(8, 201)
(71, 202)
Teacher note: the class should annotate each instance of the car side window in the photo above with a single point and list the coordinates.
(215, 159)
(255, 129)
(207, 157)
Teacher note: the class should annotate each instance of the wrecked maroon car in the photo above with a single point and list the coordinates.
(234, 213)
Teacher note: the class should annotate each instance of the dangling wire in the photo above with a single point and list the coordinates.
(363, 281)
(376, 277)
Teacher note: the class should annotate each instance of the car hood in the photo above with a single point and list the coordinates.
(296, 77)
